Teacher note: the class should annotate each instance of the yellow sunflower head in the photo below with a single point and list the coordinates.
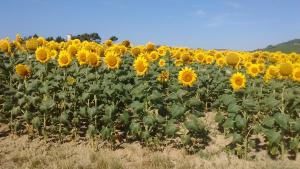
(238, 81)
(178, 62)
(153, 56)
(41, 41)
(141, 66)
(42, 54)
(296, 74)
(162, 63)
(221, 62)
(82, 56)
(187, 76)
(209, 59)
(232, 59)
(71, 80)
(150, 46)
(32, 44)
(285, 69)
(163, 77)
(72, 49)
(108, 42)
(199, 57)
(112, 60)
(93, 59)
(126, 43)
(64, 59)
(253, 70)
(272, 71)
(162, 51)
(23, 70)
(135, 51)
(5, 46)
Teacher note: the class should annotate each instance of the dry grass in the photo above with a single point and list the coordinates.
(20, 152)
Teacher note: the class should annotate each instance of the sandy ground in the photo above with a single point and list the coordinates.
(22, 152)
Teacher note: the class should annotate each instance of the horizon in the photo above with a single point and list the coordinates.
(218, 24)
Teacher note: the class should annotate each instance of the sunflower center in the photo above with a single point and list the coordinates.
(187, 77)
(112, 61)
(239, 81)
(140, 67)
(43, 55)
(64, 60)
(297, 74)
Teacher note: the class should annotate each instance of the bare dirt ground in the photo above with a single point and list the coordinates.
(21, 152)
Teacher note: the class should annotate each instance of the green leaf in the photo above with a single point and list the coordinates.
(228, 99)
(219, 117)
(282, 120)
(228, 124)
(137, 106)
(193, 124)
(237, 138)
(269, 122)
(273, 136)
(240, 122)
(171, 129)
(135, 128)
(295, 125)
(106, 133)
(233, 108)
(294, 144)
(176, 110)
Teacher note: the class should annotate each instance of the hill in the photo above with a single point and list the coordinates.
(286, 47)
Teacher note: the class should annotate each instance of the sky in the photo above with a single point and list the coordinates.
(209, 24)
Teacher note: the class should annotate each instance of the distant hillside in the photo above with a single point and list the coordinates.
(286, 47)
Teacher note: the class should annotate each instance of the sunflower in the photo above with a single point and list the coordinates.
(186, 57)
(296, 74)
(232, 59)
(285, 69)
(253, 70)
(135, 51)
(42, 54)
(150, 46)
(82, 56)
(221, 61)
(187, 76)
(41, 41)
(72, 49)
(53, 54)
(19, 38)
(93, 59)
(108, 42)
(4, 46)
(162, 51)
(71, 80)
(162, 63)
(140, 65)
(126, 43)
(272, 71)
(32, 44)
(209, 59)
(153, 56)
(23, 70)
(238, 81)
(199, 57)
(178, 62)
(112, 60)
(64, 59)
(163, 76)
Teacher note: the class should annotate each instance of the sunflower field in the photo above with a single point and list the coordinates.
(157, 95)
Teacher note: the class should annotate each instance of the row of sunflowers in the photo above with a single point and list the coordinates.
(154, 94)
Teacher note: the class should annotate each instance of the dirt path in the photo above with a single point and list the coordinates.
(21, 152)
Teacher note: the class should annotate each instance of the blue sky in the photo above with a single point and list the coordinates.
(231, 24)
